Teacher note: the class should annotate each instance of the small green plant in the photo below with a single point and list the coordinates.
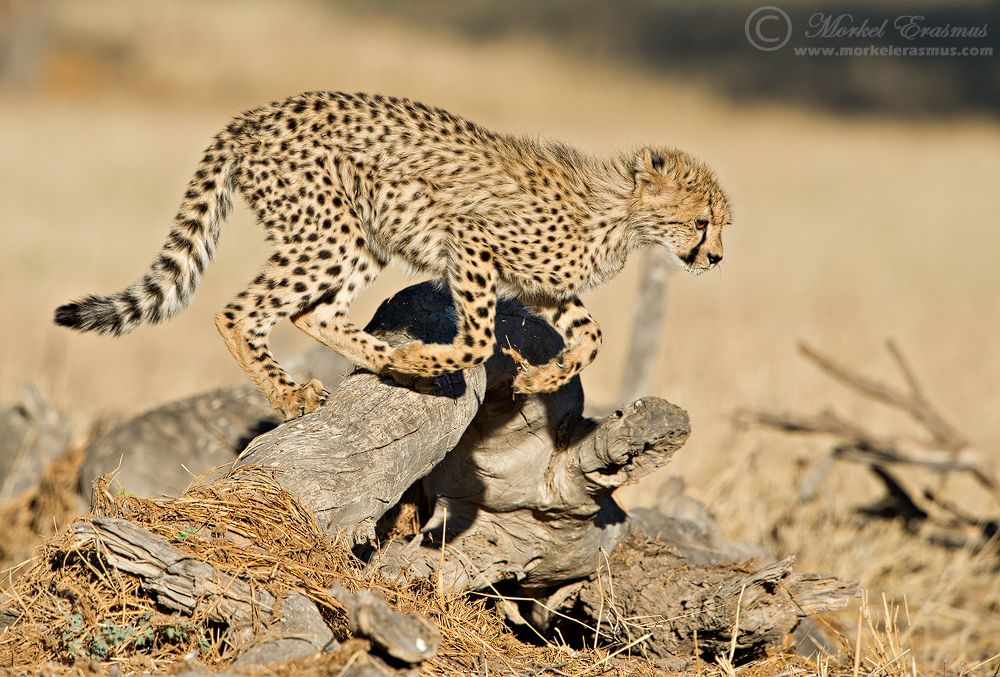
(72, 636)
(185, 533)
(108, 638)
(182, 632)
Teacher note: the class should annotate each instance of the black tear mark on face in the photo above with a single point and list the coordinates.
(690, 257)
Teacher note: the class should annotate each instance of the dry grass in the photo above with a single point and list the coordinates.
(71, 607)
(72, 614)
(847, 231)
(951, 591)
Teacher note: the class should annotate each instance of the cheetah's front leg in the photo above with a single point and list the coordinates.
(473, 290)
(582, 339)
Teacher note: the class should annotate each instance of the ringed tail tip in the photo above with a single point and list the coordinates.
(95, 313)
(68, 315)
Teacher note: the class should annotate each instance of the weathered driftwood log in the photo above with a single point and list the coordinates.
(351, 460)
(32, 435)
(682, 521)
(160, 451)
(178, 581)
(521, 491)
(526, 495)
(410, 638)
(38, 487)
(525, 492)
(644, 589)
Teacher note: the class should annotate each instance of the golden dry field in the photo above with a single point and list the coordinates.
(850, 228)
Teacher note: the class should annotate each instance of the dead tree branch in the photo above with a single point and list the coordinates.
(649, 311)
(942, 450)
(913, 401)
(645, 588)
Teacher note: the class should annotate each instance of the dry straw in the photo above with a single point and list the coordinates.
(71, 609)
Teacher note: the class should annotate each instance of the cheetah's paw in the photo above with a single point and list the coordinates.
(304, 400)
(422, 384)
(544, 379)
(409, 358)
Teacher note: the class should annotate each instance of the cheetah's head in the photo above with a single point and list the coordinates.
(679, 204)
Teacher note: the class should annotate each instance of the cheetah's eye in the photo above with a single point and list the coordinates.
(701, 224)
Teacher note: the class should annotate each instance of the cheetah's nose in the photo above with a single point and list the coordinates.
(714, 258)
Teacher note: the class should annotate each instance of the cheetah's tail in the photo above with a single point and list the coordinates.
(169, 284)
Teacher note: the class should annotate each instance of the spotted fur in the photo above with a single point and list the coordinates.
(342, 183)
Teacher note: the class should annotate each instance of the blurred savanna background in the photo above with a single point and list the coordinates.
(865, 192)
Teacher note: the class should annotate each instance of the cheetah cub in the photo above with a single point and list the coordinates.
(342, 183)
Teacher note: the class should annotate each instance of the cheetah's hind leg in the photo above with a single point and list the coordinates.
(245, 325)
(582, 341)
(324, 316)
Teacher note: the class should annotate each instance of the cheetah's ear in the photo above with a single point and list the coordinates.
(649, 178)
(652, 161)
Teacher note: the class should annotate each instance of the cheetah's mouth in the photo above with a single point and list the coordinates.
(687, 262)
